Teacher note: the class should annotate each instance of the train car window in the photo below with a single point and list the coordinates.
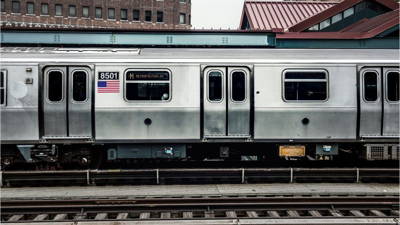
(215, 86)
(147, 85)
(393, 86)
(370, 86)
(3, 89)
(238, 86)
(305, 86)
(79, 86)
(55, 86)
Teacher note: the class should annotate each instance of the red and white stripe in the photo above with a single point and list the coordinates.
(112, 87)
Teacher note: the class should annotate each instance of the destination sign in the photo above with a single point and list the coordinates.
(147, 75)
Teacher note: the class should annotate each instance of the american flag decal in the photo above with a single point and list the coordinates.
(109, 86)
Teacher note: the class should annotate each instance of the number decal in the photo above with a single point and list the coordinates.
(108, 75)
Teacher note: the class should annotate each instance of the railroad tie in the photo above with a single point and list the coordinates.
(101, 216)
(394, 212)
(335, 213)
(165, 215)
(377, 213)
(144, 215)
(251, 214)
(273, 214)
(15, 218)
(314, 213)
(60, 216)
(80, 216)
(122, 216)
(356, 213)
(231, 214)
(292, 213)
(41, 217)
(187, 215)
(209, 214)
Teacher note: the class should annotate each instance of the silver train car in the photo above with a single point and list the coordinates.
(71, 105)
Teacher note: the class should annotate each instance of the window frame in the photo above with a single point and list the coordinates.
(378, 84)
(101, 13)
(133, 15)
(4, 88)
(69, 11)
(88, 12)
(223, 84)
(148, 81)
(41, 9)
(184, 18)
(12, 7)
(108, 13)
(305, 80)
(145, 16)
(87, 86)
(126, 15)
(62, 89)
(27, 8)
(3, 6)
(245, 85)
(386, 86)
(55, 11)
(162, 16)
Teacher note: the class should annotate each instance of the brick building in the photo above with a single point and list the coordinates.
(121, 14)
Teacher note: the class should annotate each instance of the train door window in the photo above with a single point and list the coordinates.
(146, 85)
(215, 86)
(370, 86)
(393, 86)
(55, 86)
(79, 86)
(307, 85)
(3, 88)
(238, 86)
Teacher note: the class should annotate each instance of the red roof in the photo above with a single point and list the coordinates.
(366, 28)
(268, 15)
(305, 24)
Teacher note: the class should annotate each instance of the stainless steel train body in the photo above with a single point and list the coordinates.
(188, 96)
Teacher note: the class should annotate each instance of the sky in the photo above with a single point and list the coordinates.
(216, 14)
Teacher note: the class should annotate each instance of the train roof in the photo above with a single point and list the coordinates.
(165, 55)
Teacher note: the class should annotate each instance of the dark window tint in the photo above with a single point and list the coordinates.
(215, 86)
(148, 16)
(305, 75)
(160, 18)
(55, 86)
(135, 15)
(393, 86)
(124, 14)
(15, 7)
(238, 86)
(3, 9)
(58, 10)
(85, 12)
(147, 91)
(79, 83)
(72, 11)
(370, 86)
(30, 9)
(2, 97)
(305, 91)
(45, 9)
(111, 14)
(98, 13)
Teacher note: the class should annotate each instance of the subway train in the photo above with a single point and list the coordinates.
(89, 106)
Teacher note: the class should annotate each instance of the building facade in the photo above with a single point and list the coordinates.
(120, 14)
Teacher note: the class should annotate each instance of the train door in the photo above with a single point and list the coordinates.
(391, 102)
(67, 102)
(227, 102)
(379, 102)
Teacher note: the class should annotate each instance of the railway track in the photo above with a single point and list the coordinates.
(197, 176)
(206, 210)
